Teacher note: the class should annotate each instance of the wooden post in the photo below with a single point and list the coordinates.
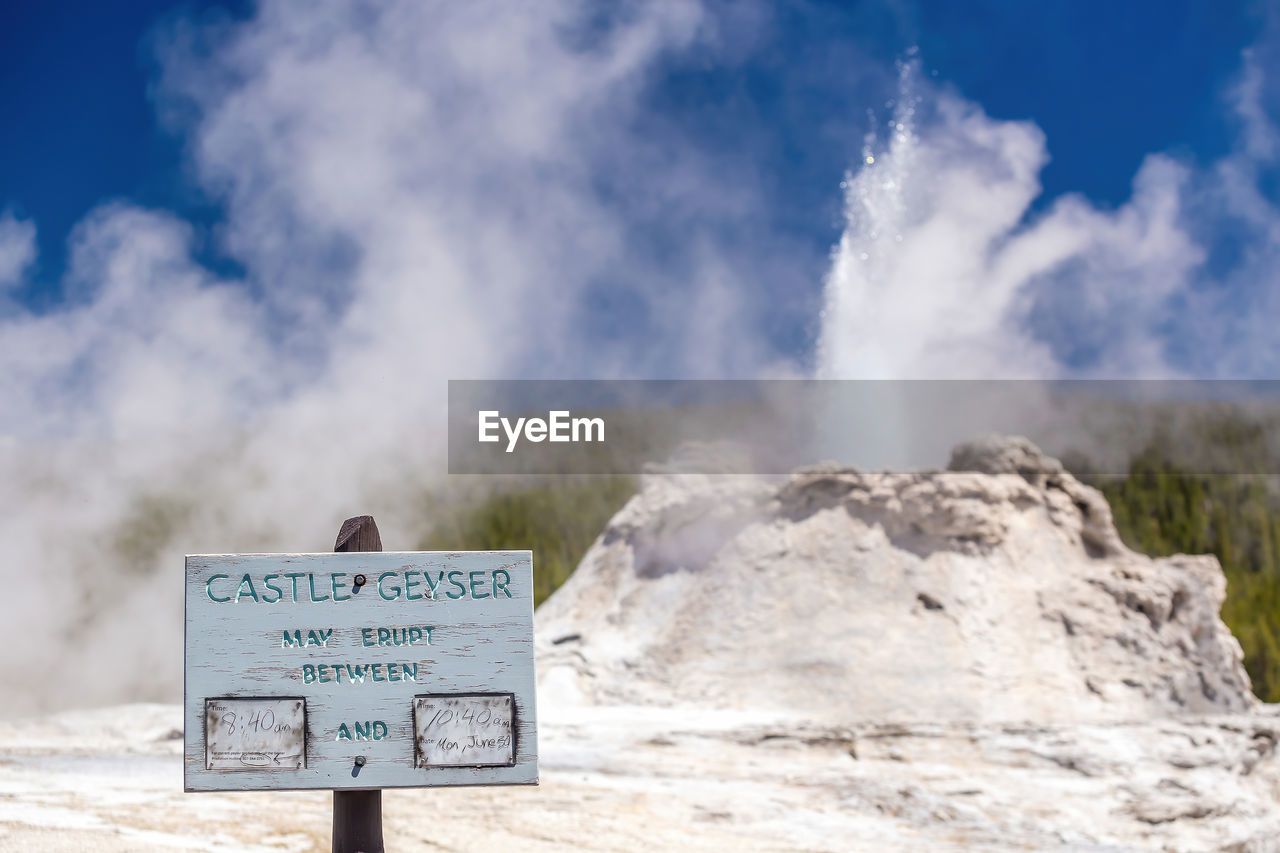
(357, 815)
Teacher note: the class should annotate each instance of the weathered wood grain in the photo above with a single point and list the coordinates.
(358, 534)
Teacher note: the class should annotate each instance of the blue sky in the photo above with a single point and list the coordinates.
(1108, 83)
(75, 83)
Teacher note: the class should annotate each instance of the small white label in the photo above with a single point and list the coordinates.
(255, 734)
(464, 730)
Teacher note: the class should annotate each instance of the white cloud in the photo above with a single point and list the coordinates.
(17, 249)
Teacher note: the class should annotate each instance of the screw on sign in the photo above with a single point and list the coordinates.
(353, 671)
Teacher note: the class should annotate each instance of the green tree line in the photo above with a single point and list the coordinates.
(1161, 509)
(558, 520)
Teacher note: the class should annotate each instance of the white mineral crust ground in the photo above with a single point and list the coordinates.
(959, 660)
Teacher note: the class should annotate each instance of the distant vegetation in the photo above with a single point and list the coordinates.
(1161, 508)
(558, 520)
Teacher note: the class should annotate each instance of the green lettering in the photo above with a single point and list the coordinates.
(322, 670)
(269, 585)
(336, 586)
(384, 636)
(408, 587)
(312, 580)
(308, 673)
(453, 579)
(294, 577)
(434, 586)
(407, 674)
(379, 730)
(208, 589)
(247, 582)
(366, 637)
(362, 732)
(472, 577)
(501, 585)
(382, 592)
(291, 642)
(343, 732)
(374, 670)
(392, 675)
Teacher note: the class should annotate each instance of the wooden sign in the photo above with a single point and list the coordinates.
(359, 671)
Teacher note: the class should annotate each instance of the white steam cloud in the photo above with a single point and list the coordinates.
(416, 192)
(944, 271)
(420, 191)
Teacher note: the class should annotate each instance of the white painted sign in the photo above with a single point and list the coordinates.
(464, 731)
(359, 670)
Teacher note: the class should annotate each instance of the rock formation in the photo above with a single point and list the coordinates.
(997, 590)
